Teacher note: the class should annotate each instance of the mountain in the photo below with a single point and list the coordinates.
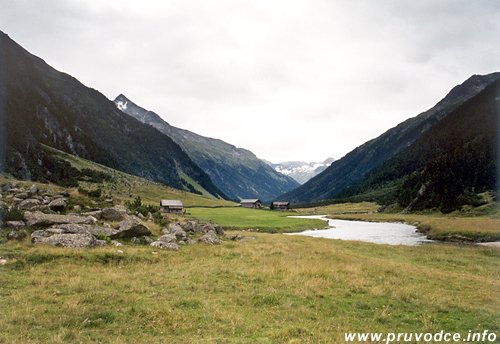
(355, 165)
(236, 171)
(301, 171)
(449, 165)
(41, 105)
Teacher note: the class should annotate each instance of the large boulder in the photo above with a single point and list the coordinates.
(113, 214)
(175, 229)
(40, 219)
(83, 228)
(211, 227)
(165, 245)
(59, 204)
(210, 238)
(168, 238)
(131, 227)
(67, 240)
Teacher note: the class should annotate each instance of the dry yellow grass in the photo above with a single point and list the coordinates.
(272, 289)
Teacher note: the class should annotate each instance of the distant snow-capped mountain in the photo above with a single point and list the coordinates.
(301, 171)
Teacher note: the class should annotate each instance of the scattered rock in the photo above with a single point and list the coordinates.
(14, 224)
(77, 208)
(113, 214)
(3, 261)
(38, 218)
(59, 204)
(29, 203)
(119, 251)
(101, 242)
(116, 243)
(22, 195)
(144, 240)
(33, 189)
(235, 236)
(64, 193)
(16, 235)
(168, 238)
(210, 238)
(68, 240)
(165, 245)
(131, 227)
(175, 229)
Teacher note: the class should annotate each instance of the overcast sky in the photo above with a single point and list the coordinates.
(287, 79)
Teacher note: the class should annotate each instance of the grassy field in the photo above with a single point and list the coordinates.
(255, 219)
(455, 226)
(272, 289)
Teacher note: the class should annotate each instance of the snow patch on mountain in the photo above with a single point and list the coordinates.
(301, 171)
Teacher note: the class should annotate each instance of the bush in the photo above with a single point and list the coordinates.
(12, 214)
(91, 193)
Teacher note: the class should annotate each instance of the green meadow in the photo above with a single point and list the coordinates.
(255, 219)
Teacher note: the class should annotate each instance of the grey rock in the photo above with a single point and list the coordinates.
(116, 243)
(38, 218)
(68, 240)
(78, 208)
(59, 204)
(144, 240)
(22, 195)
(165, 245)
(84, 228)
(131, 227)
(64, 193)
(189, 226)
(7, 187)
(175, 229)
(16, 235)
(95, 213)
(14, 224)
(29, 203)
(33, 189)
(113, 214)
(38, 235)
(235, 236)
(210, 238)
(101, 243)
(168, 238)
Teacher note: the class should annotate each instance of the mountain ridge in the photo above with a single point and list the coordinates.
(236, 171)
(356, 164)
(45, 106)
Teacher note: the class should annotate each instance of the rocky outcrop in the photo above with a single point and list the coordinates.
(67, 240)
(39, 219)
(41, 214)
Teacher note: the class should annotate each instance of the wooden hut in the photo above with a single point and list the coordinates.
(251, 203)
(280, 205)
(171, 206)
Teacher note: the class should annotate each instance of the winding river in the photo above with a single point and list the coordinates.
(374, 232)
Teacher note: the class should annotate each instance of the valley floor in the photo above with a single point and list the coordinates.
(267, 288)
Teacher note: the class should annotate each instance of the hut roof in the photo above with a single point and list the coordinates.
(171, 203)
(250, 201)
(281, 203)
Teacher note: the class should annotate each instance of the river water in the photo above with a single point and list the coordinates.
(374, 232)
